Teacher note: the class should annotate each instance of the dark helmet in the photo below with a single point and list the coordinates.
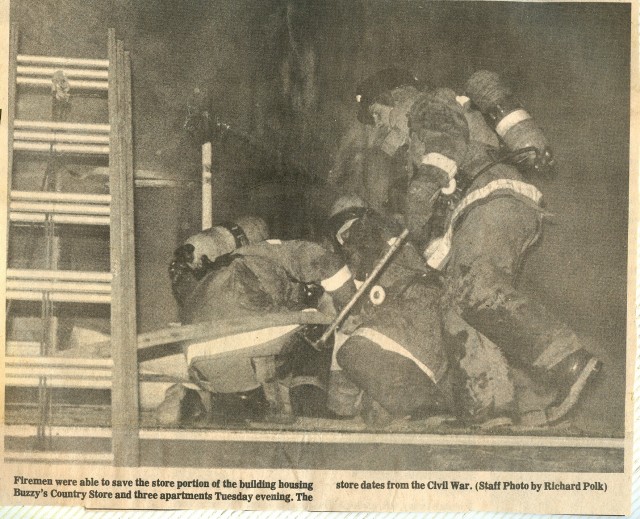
(371, 89)
(346, 208)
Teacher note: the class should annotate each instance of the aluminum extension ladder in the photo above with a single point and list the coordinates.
(110, 78)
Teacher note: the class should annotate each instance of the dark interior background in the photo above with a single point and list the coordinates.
(283, 73)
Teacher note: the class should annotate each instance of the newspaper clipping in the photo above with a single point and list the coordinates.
(322, 255)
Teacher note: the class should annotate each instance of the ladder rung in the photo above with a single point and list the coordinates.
(66, 275)
(59, 373)
(51, 125)
(69, 219)
(163, 182)
(17, 348)
(82, 287)
(79, 84)
(58, 382)
(60, 431)
(56, 196)
(60, 61)
(59, 297)
(68, 72)
(37, 206)
(53, 362)
(93, 458)
(80, 149)
(75, 372)
(81, 138)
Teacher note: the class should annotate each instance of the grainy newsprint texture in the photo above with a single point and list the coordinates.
(318, 255)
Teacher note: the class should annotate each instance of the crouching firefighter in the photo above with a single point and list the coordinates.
(197, 256)
(489, 217)
(393, 365)
(260, 284)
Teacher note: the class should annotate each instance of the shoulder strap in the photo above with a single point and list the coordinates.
(237, 232)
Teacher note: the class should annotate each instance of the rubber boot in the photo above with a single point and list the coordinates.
(238, 408)
(180, 406)
(308, 396)
(571, 376)
(375, 415)
(344, 397)
(277, 395)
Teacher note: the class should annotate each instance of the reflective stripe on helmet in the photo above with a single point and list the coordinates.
(345, 227)
(340, 221)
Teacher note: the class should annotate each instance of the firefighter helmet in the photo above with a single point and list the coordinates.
(345, 210)
(372, 89)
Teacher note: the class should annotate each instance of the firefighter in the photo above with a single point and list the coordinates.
(395, 356)
(479, 217)
(195, 257)
(257, 279)
(371, 160)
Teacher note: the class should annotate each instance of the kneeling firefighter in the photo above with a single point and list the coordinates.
(258, 284)
(395, 355)
(489, 218)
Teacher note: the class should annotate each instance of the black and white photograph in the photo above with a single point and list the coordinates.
(266, 253)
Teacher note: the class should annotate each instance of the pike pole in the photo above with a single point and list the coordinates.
(363, 288)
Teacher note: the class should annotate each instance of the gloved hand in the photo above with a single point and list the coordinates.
(439, 141)
(181, 274)
(351, 324)
(438, 125)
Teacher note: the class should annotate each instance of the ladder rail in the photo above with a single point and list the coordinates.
(124, 393)
(12, 66)
(37, 285)
(78, 138)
